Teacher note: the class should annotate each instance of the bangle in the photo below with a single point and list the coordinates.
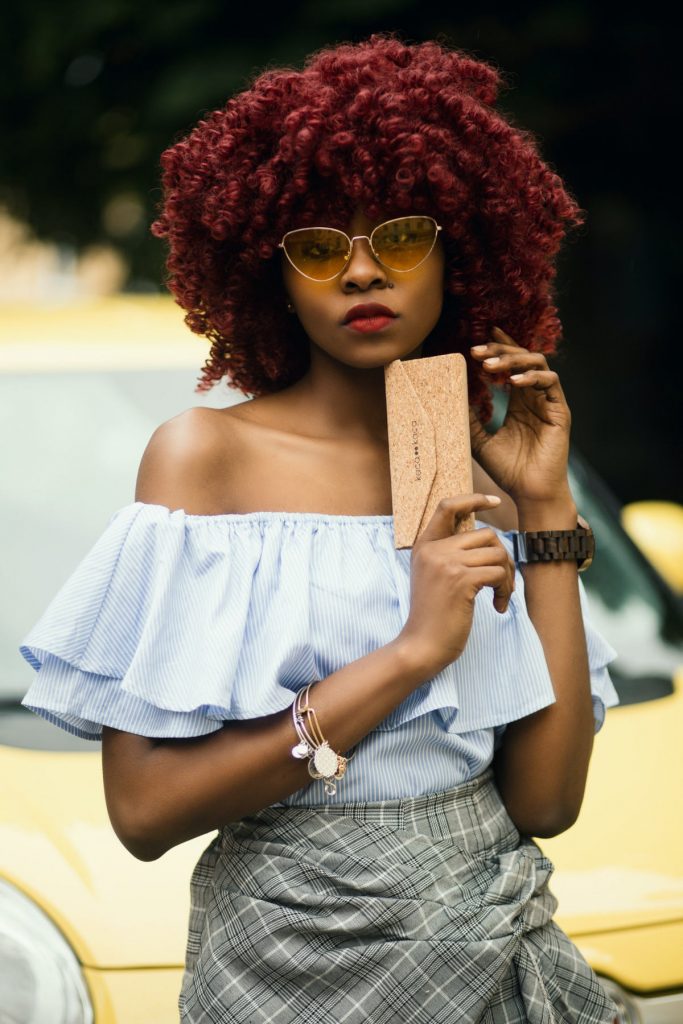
(323, 763)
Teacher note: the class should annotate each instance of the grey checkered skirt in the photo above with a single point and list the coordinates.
(428, 909)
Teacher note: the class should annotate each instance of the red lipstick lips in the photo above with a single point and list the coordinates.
(369, 318)
(369, 310)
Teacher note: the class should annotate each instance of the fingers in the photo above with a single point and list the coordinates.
(494, 557)
(496, 358)
(501, 580)
(480, 550)
(483, 550)
(540, 380)
(490, 554)
(451, 510)
(523, 368)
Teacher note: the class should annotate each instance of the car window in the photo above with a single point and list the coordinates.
(629, 603)
(71, 446)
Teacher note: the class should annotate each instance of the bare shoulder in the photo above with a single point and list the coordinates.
(182, 459)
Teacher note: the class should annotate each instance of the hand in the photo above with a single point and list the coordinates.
(528, 455)
(447, 571)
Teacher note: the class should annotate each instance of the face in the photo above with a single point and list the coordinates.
(322, 307)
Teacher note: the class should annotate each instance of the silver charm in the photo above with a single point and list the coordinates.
(330, 788)
(301, 750)
(325, 760)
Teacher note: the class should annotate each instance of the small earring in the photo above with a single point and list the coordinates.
(290, 308)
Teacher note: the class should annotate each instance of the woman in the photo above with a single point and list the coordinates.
(375, 733)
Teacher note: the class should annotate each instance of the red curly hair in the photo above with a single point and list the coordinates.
(393, 128)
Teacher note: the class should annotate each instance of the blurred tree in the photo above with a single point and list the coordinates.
(93, 93)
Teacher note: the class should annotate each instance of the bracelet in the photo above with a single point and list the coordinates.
(323, 763)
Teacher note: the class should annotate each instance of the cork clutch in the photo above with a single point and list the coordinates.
(429, 440)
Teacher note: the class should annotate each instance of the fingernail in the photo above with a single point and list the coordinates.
(478, 348)
(493, 497)
(492, 361)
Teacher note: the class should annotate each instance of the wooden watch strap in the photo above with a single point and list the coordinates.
(553, 545)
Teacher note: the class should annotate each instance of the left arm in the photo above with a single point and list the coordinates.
(542, 764)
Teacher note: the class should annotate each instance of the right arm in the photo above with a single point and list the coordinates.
(163, 792)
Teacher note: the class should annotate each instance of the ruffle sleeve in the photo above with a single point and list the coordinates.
(148, 633)
(174, 623)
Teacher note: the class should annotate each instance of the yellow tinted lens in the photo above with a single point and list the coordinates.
(319, 253)
(404, 243)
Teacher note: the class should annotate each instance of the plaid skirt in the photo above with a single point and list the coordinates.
(427, 909)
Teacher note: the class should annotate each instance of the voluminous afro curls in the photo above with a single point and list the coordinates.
(383, 125)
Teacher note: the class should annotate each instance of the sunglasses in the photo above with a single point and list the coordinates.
(321, 254)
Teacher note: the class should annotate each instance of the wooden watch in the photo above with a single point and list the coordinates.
(556, 545)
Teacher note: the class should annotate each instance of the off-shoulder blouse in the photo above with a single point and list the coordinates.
(174, 623)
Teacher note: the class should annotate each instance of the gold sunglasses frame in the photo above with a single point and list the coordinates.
(368, 238)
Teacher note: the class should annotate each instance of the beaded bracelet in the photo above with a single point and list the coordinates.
(323, 763)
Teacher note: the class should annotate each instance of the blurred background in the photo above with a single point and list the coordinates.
(93, 93)
(94, 355)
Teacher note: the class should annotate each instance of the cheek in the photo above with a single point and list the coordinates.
(311, 304)
(430, 300)
(297, 287)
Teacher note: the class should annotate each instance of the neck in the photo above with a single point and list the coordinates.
(344, 401)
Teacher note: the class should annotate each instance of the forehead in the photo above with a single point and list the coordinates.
(361, 221)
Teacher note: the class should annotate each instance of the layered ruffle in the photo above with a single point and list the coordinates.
(174, 623)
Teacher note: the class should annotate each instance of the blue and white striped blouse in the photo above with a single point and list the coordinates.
(174, 623)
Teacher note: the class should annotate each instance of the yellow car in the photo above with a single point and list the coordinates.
(88, 933)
